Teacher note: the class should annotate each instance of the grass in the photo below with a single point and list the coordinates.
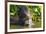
(37, 25)
(13, 26)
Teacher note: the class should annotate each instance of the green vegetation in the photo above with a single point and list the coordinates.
(35, 10)
(36, 18)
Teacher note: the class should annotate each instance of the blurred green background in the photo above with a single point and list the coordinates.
(35, 10)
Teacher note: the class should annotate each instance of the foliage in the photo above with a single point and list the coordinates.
(35, 10)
